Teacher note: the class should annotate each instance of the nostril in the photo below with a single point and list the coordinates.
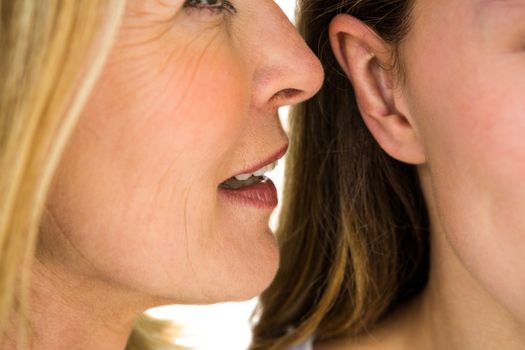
(287, 94)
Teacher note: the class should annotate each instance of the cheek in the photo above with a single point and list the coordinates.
(479, 178)
(140, 175)
(178, 118)
(473, 136)
(470, 114)
(178, 100)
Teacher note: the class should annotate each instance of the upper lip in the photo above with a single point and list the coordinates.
(268, 160)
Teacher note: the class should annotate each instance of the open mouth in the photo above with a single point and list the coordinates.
(252, 187)
(248, 179)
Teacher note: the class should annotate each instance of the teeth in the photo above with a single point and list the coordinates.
(243, 177)
(260, 172)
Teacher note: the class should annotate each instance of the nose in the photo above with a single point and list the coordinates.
(287, 71)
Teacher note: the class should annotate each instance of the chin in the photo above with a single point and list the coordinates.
(253, 276)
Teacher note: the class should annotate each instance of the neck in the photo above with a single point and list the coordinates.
(76, 312)
(455, 311)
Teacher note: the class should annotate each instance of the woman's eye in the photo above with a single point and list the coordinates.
(216, 5)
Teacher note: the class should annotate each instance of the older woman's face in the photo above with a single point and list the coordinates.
(465, 87)
(187, 100)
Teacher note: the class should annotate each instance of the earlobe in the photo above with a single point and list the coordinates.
(366, 60)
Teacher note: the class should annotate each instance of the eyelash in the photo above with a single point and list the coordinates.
(212, 5)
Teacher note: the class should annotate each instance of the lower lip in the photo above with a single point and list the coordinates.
(263, 195)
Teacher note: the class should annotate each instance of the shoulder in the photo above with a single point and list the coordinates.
(388, 335)
(360, 343)
(378, 339)
(400, 330)
(309, 345)
(372, 341)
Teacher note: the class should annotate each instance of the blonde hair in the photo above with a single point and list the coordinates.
(51, 54)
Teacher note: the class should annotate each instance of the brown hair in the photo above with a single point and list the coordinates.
(353, 230)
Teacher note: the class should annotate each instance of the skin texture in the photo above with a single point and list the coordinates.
(188, 98)
(458, 113)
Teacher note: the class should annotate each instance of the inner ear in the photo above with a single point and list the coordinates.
(384, 76)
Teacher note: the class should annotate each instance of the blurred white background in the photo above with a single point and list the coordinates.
(223, 326)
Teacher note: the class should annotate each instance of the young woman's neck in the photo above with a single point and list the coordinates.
(457, 313)
(70, 312)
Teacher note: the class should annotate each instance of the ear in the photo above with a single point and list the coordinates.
(367, 61)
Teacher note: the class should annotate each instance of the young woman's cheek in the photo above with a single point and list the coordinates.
(503, 113)
(465, 96)
(481, 196)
